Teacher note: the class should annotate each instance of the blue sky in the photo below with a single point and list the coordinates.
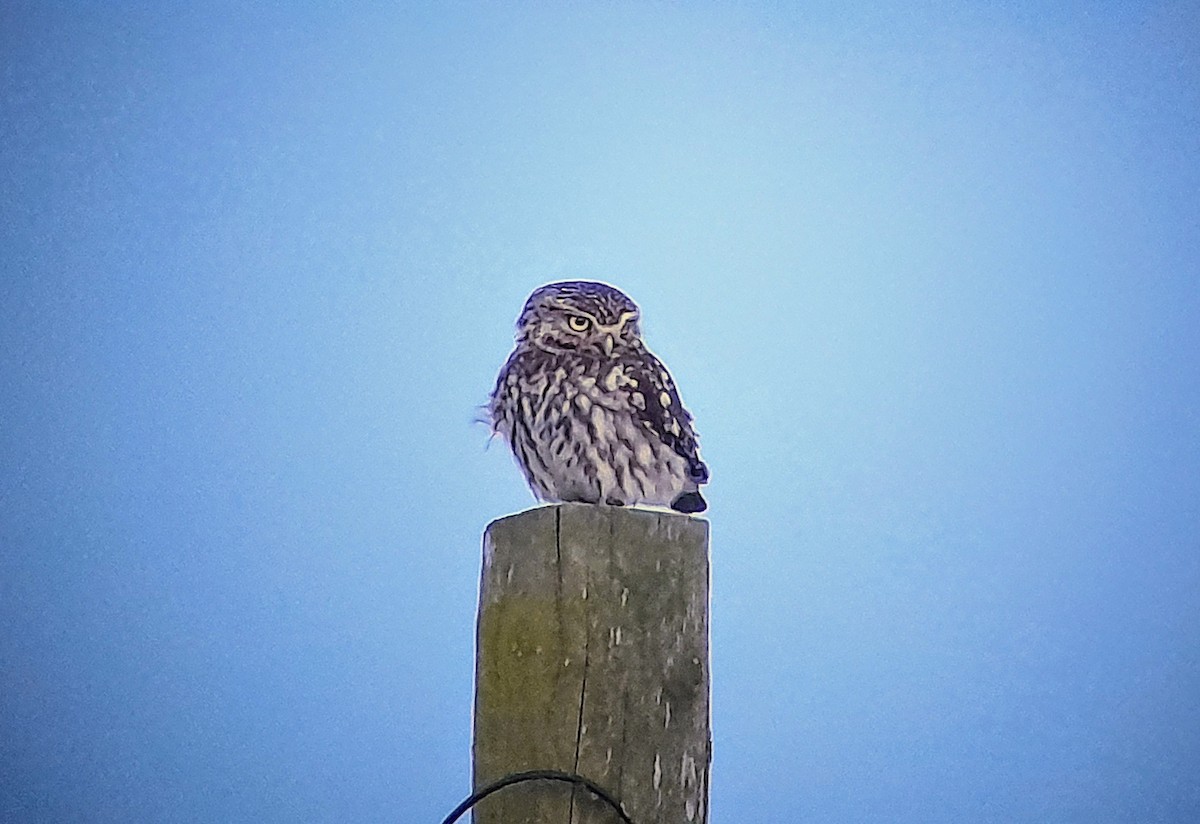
(928, 276)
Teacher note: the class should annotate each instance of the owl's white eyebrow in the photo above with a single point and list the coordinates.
(621, 321)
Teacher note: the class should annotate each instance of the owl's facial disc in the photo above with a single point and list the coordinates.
(563, 326)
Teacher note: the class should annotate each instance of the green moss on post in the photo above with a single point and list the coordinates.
(592, 658)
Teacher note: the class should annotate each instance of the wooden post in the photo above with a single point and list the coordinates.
(592, 658)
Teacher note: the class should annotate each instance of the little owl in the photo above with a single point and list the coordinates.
(591, 415)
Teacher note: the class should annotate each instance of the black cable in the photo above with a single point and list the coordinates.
(536, 775)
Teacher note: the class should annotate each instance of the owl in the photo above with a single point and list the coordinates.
(591, 415)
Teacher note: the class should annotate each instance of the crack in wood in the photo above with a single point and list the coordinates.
(558, 599)
(587, 643)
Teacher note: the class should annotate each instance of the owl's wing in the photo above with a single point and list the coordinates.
(656, 402)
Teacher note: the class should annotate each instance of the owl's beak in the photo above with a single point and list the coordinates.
(608, 345)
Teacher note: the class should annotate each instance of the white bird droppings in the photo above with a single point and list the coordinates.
(687, 780)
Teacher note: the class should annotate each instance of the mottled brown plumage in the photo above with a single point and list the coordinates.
(591, 415)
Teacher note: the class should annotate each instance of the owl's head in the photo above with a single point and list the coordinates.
(580, 316)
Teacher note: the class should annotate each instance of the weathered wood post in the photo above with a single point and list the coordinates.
(592, 658)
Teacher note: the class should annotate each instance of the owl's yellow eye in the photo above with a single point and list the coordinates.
(578, 323)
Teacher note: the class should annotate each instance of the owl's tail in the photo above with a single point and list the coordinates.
(689, 502)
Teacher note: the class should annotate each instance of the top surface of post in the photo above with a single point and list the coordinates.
(657, 525)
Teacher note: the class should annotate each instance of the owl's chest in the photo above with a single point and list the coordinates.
(547, 392)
